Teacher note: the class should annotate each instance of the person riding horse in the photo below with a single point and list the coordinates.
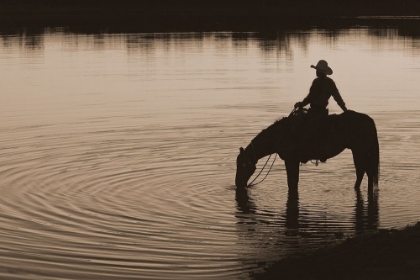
(310, 133)
(321, 90)
(301, 137)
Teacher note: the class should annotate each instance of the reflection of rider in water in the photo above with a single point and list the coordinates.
(310, 132)
(321, 90)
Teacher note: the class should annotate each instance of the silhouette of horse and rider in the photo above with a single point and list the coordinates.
(314, 135)
(320, 92)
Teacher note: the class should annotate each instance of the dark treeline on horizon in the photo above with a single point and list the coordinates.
(278, 6)
(203, 3)
(194, 15)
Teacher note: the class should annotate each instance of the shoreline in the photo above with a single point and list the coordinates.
(385, 254)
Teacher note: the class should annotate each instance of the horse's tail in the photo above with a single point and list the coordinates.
(373, 157)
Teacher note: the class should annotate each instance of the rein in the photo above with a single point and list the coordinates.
(252, 182)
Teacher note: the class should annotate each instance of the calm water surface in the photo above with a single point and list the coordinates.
(117, 151)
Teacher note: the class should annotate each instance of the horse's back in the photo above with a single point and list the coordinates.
(356, 116)
(350, 119)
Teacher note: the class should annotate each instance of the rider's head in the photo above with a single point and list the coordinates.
(320, 74)
(322, 68)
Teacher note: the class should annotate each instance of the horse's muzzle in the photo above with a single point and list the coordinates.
(240, 182)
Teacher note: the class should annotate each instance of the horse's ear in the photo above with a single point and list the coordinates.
(241, 150)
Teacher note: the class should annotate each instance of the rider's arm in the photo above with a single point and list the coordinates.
(308, 99)
(305, 102)
(337, 97)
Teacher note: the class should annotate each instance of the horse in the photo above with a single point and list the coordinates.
(334, 133)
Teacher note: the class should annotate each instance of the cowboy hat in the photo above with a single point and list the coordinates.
(322, 66)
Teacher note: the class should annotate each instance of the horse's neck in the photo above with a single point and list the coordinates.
(260, 148)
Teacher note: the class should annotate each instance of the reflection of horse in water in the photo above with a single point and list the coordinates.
(366, 217)
(335, 133)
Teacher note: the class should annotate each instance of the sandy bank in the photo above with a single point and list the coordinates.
(387, 254)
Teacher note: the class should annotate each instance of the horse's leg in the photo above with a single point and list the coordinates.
(370, 180)
(292, 210)
(372, 168)
(360, 168)
(292, 169)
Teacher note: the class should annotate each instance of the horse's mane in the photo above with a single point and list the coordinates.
(275, 128)
(285, 126)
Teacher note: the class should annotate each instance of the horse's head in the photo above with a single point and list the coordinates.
(245, 167)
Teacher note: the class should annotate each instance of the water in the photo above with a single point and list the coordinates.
(117, 151)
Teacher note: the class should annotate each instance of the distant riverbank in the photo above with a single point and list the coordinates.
(387, 254)
(186, 15)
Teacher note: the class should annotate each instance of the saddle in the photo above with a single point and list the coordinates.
(309, 132)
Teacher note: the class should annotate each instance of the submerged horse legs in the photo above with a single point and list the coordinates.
(361, 163)
(292, 169)
(360, 169)
(370, 180)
